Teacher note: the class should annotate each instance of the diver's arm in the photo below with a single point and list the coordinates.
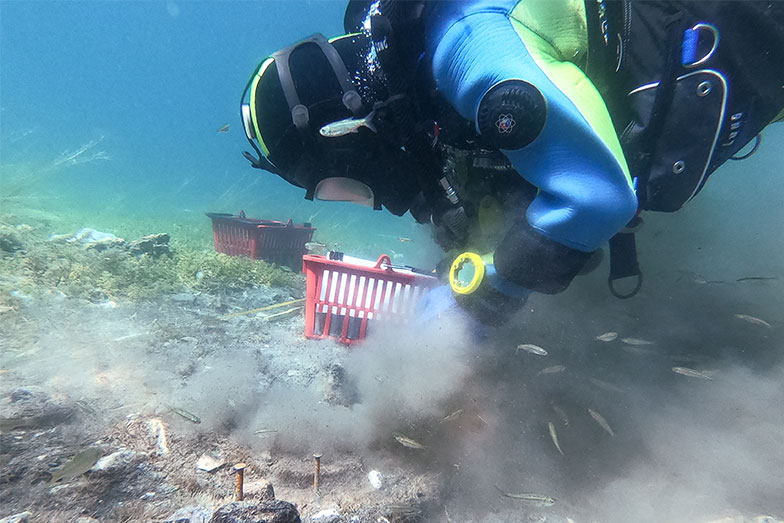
(571, 154)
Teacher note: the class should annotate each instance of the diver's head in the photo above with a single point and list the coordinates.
(296, 93)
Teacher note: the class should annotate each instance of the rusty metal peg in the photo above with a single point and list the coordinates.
(239, 468)
(317, 472)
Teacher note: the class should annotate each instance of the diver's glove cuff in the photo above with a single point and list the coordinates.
(504, 286)
(495, 301)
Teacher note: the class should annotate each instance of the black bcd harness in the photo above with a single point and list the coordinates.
(688, 85)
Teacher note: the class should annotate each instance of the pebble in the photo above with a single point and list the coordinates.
(209, 463)
(189, 515)
(22, 517)
(329, 515)
(115, 461)
(375, 479)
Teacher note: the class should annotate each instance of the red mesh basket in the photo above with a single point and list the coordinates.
(269, 240)
(344, 297)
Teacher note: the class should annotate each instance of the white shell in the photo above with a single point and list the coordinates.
(374, 477)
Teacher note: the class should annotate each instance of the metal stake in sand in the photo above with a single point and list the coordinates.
(240, 469)
(317, 472)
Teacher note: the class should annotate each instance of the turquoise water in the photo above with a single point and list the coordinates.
(109, 114)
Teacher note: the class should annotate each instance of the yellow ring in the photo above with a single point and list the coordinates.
(457, 265)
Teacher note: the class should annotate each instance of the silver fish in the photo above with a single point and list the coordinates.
(552, 370)
(452, 416)
(636, 341)
(408, 442)
(601, 421)
(607, 336)
(605, 385)
(85, 407)
(348, 125)
(538, 499)
(193, 418)
(639, 351)
(533, 349)
(752, 319)
(691, 373)
(9, 424)
(78, 465)
(554, 436)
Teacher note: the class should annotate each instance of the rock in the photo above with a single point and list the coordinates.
(375, 478)
(22, 517)
(152, 244)
(338, 389)
(92, 239)
(209, 463)
(190, 515)
(20, 394)
(250, 512)
(8, 241)
(260, 490)
(115, 462)
(329, 515)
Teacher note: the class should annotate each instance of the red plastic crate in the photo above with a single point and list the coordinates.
(270, 240)
(345, 297)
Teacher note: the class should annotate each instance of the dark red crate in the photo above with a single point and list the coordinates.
(278, 242)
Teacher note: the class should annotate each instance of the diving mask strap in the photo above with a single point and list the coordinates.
(299, 113)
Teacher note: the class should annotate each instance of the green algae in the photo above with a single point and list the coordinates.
(40, 265)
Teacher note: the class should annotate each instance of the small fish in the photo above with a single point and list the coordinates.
(636, 341)
(605, 385)
(757, 278)
(265, 431)
(554, 436)
(601, 421)
(9, 424)
(533, 349)
(224, 129)
(402, 239)
(607, 336)
(552, 370)
(452, 416)
(185, 414)
(408, 442)
(85, 407)
(78, 465)
(561, 414)
(538, 499)
(752, 319)
(691, 373)
(639, 351)
(348, 125)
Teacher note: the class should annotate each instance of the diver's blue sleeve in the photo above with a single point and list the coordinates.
(585, 196)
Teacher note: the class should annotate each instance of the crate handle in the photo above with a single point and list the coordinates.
(384, 258)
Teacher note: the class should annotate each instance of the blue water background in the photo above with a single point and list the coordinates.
(143, 87)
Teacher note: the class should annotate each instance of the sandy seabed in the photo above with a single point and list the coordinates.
(507, 434)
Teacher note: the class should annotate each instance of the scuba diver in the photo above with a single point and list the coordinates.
(529, 134)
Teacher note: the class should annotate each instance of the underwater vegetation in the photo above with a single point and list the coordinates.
(32, 265)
